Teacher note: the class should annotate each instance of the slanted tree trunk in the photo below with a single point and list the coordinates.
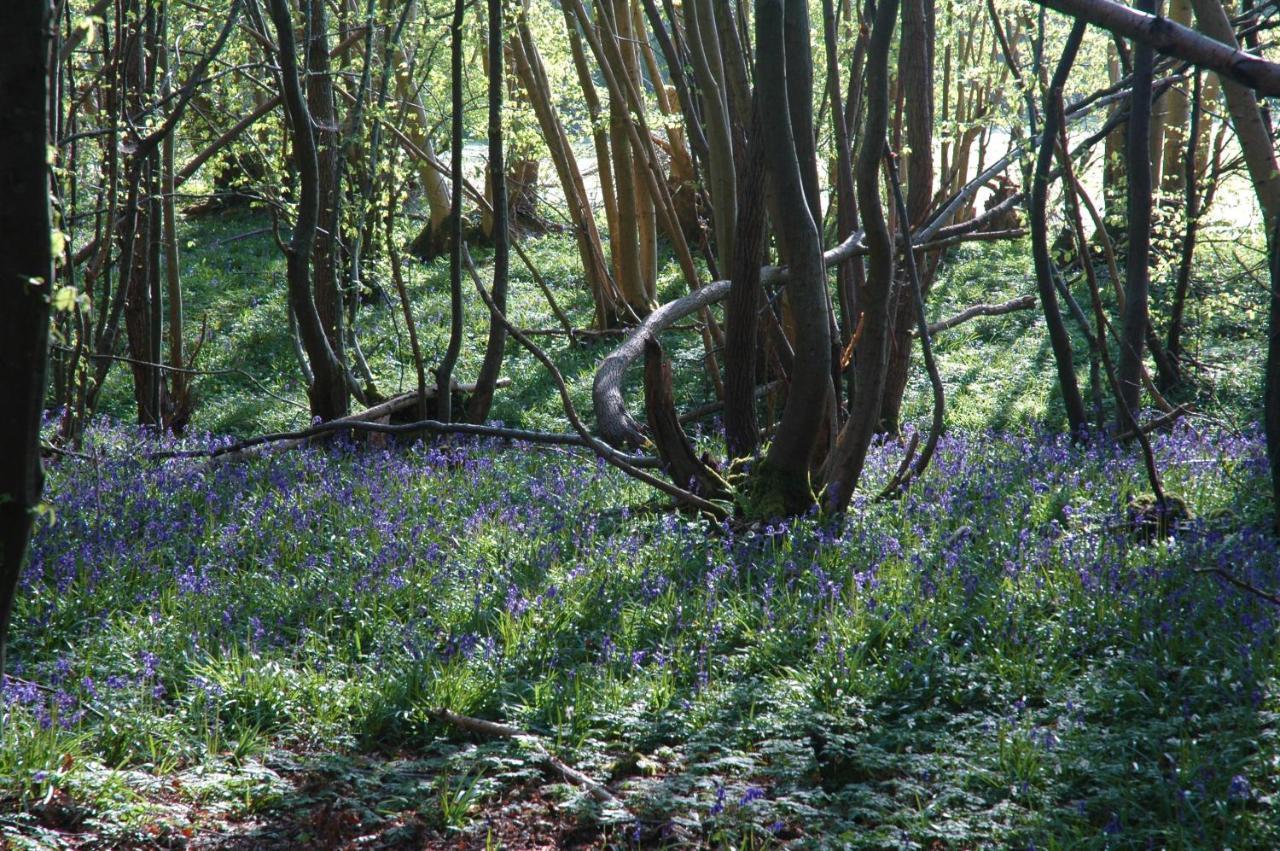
(529, 68)
(1246, 116)
(1064, 357)
(26, 281)
(708, 70)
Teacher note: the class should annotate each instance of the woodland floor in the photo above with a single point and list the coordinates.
(248, 655)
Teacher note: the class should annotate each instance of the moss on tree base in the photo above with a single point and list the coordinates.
(769, 492)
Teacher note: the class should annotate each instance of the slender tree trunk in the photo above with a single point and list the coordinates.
(915, 70)
(742, 309)
(1137, 261)
(328, 390)
(604, 292)
(845, 464)
(849, 274)
(1113, 173)
(1077, 418)
(1191, 211)
(1271, 380)
(488, 379)
(26, 282)
(435, 238)
(179, 382)
(139, 274)
(325, 121)
(708, 70)
(444, 372)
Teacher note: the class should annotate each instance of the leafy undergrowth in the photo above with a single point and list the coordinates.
(247, 654)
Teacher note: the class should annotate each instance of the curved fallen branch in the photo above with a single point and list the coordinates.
(612, 456)
(1013, 305)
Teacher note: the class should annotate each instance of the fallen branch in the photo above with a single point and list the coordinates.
(1161, 422)
(1273, 599)
(609, 454)
(431, 426)
(1022, 302)
(504, 731)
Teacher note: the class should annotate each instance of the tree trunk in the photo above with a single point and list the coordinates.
(492, 366)
(444, 372)
(915, 70)
(1137, 260)
(1077, 419)
(26, 275)
(844, 465)
(325, 121)
(432, 243)
(328, 390)
(780, 483)
(1246, 116)
(604, 293)
(708, 70)
(742, 309)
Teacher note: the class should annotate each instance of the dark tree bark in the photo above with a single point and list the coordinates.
(139, 306)
(1077, 418)
(1271, 393)
(488, 379)
(915, 76)
(1192, 213)
(1207, 51)
(780, 483)
(26, 277)
(849, 277)
(444, 372)
(325, 120)
(742, 309)
(844, 466)
(1137, 262)
(328, 390)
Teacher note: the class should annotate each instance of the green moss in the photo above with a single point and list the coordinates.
(770, 492)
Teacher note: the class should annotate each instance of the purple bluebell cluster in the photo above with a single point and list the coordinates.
(373, 583)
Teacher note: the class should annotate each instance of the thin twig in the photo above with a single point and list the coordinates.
(504, 731)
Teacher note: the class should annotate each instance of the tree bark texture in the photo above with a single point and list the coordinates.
(26, 279)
